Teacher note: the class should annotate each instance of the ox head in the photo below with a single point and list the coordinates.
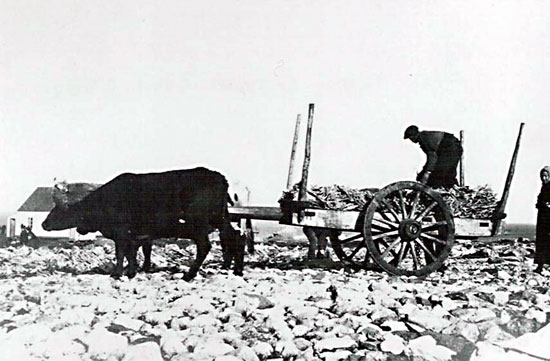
(63, 215)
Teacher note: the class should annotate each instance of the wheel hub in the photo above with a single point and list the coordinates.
(410, 229)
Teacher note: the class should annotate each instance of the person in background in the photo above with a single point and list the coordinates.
(3, 238)
(24, 236)
(443, 151)
(542, 238)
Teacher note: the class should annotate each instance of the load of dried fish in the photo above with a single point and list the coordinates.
(479, 202)
(465, 202)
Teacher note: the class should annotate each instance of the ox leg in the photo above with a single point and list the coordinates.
(119, 252)
(131, 256)
(249, 236)
(147, 247)
(322, 243)
(235, 244)
(313, 242)
(226, 253)
(203, 247)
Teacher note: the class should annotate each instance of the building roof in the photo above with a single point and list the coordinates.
(39, 201)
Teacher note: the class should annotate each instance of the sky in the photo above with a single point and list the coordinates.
(89, 90)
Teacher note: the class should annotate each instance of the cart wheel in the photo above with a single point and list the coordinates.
(408, 229)
(352, 250)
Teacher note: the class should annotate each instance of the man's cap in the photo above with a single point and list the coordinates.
(410, 131)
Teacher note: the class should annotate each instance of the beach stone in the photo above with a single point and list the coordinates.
(457, 343)
(393, 344)
(495, 334)
(287, 349)
(427, 348)
(263, 350)
(536, 315)
(227, 358)
(520, 325)
(394, 326)
(171, 344)
(128, 322)
(247, 354)
(501, 297)
(336, 356)
(149, 351)
(212, 348)
(428, 320)
(205, 321)
(300, 330)
(329, 344)
(103, 344)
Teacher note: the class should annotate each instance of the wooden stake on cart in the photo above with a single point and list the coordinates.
(462, 183)
(293, 152)
(499, 212)
(302, 195)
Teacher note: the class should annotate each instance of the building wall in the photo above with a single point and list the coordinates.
(37, 218)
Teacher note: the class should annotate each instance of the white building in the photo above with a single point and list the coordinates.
(33, 212)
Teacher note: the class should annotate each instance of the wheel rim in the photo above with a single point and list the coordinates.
(408, 229)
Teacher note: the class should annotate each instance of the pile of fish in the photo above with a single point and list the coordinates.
(465, 202)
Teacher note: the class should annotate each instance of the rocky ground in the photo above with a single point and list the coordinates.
(58, 303)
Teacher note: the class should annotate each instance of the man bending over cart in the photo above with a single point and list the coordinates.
(443, 152)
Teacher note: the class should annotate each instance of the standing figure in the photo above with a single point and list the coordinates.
(24, 237)
(542, 244)
(443, 151)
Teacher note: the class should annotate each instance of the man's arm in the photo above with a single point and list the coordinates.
(431, 161)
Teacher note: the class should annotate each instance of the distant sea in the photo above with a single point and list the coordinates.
(516, 230)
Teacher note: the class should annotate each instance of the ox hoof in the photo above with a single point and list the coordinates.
(188, 276)
(131, 275)
(147, 268)
(238, 272)
(116, 275)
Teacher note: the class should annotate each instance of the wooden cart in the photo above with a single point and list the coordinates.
(406, 229)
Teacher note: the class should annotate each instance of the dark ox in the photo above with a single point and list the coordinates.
(135, 209)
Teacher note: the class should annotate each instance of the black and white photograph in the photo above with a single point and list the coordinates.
(240, 180)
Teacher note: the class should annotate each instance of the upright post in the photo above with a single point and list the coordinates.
(302, 195)
(462, 183)
(293, 152)
(499, 212)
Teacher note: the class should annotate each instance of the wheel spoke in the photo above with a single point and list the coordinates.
(384, 234)
(403, 209)
(426, 250)
(385, 216)
(356, 250)
(385, 244)
(414, 256)
(375, 227)
(426, 211)
(357, 236)
(391, 246)
(433, 226)
(392, 211)
(402, 252)
(432, 238)
(388, 223)
(414, 203)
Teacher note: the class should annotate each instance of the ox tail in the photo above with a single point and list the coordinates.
(230, 201)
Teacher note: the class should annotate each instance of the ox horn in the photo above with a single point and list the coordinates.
(59, 193)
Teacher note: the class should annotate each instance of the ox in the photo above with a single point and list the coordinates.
(135, 209)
